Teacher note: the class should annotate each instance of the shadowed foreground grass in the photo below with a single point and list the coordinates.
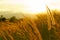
(29, 29)
(21, 30)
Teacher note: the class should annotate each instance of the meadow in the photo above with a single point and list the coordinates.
(29, 29)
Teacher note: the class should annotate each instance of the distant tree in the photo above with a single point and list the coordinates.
(2, 18)
(13, 19)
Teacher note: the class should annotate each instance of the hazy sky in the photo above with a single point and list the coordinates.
(28, 5)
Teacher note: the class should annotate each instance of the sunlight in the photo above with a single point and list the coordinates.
(25, 6)
(28, 6)
(35, 8)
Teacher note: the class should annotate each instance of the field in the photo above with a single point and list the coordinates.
(29, 29)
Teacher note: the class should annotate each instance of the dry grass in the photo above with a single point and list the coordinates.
(29, 29)
(24, 28)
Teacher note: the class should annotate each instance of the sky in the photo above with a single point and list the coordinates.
(28, 6)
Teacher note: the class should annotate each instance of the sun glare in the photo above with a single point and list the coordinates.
(25, 6)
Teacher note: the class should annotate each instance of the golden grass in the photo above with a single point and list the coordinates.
(29, 29)
(20, 27)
